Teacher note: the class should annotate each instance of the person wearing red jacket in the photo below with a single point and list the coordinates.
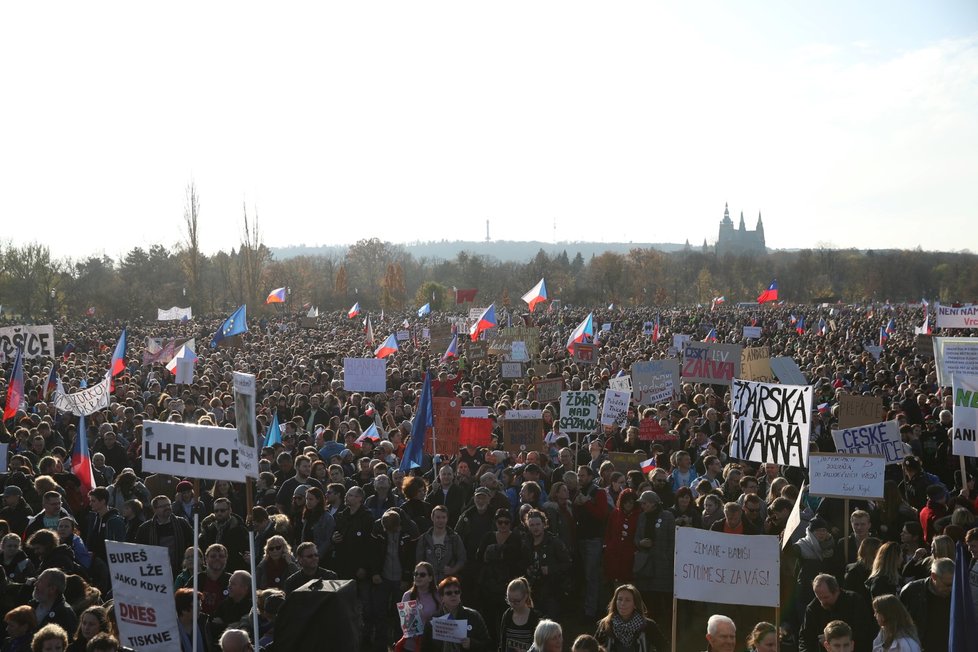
(936, 508)
(619, 539)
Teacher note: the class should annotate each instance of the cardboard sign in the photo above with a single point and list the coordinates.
(36, 341)
(440, 336)
(477, 351)
(626, 462)
(786, 370)
(549, 390)
(143, 596)
(771, 423)
(584, 353)
(648, 327)
(880, 439)
(655, 382)
(752, 332)
(924, 347)
(755, 364)
(520, 435)
(615, 409)
(365, 374)
(446, 415)
(621, 383)
(859, 410)
(191, 451)
(501, 339)
(578, 412)
(709, 362)
(837, 475)
(727, 568)
(511, 369)
(964, 425)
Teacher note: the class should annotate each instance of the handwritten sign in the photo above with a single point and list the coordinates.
(655, 382)
(615, 409)
(709, 362)
(450, 631)
(755, 364)
(859, 410)
(511, 369)
(446, 415)
(652, 430)
(549, 390)
(518, 352)
(771, 423)
(36, 341)
(365, 374)
(838, 475)
(578, 411)
(143, 596)
(477, 351)
(520, 435)
(882, 439)
(626, 462)
(964, 423)
(621, 383)
(727, 568)
(86, 401)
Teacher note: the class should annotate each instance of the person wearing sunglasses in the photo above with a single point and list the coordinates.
(450, 596)
(309, 569)
(277, 565)
(423, 590)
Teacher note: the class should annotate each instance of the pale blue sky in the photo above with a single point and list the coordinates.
(850, 123)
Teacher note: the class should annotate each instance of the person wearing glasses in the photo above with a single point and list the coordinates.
(423, 590)
(167, 530)
(227, 529)
(450, 596)
(308, 557)
(277, 565)
(519, 621)
(501, 553)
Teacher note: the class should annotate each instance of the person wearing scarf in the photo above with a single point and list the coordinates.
(815, 555)
(627, 627)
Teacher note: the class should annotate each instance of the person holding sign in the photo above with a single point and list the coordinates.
(438, 636)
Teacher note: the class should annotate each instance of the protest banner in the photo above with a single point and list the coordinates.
(403, 335)
(477, 351)
(446, 629)
(578, 411)
(84, 402)
(522, 434)
(626, 462)
(606, 327)
(142, 596)
(511, 369)
(446, 415)
(475, 427)
(621, 383)
(615, 408)
(409, 614)
(874, 350)
(548, 390)
(501, 339)
(190, 451)
(174, 314)
(952, 317)
(771, 423)
(882, 439)
(787, 371)
(36, 341)
(924, 347)
(844, 475)
(518, 352)
(955, 355)
(859, 410)
(584, 353)
(648, 327)
(655, 382)
(752, 332)
(964, 423)
(185, 371)
(247, 427)
(162, 350)
(727, 568)
(651, 430)
(755, 364)
(679, 342)
(440, 336)
(709, 362)
(365, 374)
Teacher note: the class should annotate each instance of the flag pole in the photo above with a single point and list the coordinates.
(196, 571)
(254, 586)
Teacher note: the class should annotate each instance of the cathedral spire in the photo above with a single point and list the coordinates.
(726, 215)
(760, 224)
(742, 227)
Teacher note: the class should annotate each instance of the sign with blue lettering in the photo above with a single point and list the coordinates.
(882, 439)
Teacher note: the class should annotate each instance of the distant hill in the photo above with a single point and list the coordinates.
(502, 250)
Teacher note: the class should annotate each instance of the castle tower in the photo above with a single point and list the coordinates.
(739, 240)
(742, 228)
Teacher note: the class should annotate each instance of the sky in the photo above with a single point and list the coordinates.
(846, 124)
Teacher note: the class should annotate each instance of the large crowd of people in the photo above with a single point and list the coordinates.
(549, 549)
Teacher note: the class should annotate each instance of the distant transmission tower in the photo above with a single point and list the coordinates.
(487, 231)
(555, 230)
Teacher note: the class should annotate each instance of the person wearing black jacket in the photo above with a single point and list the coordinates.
(929, 600)
(15, 510)
(394, 538)
(48, 599)
(352, 548)
(833, 603)
(447, 493)
(450, 595)
(548, 564)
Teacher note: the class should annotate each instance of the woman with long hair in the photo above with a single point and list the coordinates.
(91, 621)
(519, 621)
(858, 572)
(886, 575)
(627, 625)
(277, 565)
(318, 524)
(422, 590)
(763, 638)
(894, 512)
(898, 633)
(685, 510)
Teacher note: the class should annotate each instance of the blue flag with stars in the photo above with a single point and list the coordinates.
(236, 324)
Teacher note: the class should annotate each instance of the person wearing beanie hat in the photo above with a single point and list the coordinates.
(655, 542)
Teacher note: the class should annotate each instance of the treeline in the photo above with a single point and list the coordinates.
(379, 274)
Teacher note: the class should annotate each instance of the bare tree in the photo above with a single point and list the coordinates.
(193, 260)
(254, 255)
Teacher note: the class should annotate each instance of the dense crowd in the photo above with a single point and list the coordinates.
(528, 548)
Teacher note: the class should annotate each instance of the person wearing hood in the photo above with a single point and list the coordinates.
(229, 530)
(15, 509)
(49, 552)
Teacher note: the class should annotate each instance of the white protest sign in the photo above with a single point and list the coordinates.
(475, 313)
(838, 475)
(882, 439)
(752, 332)
(247, 427)
(615, 407)
(786, 370)
(185, 371)
(84, 402)
(578, 411)
(518, 352)
(365, 374)
(874, 350)
(36, 341)
(511, 369)
(965, 420)
(655, 382)
(606, 327)
(679, 341)
(142, 596)
(174, 314)
(403, 336)
(621, 383)
(771, 423)
(955, 355)
(960, 317)
(448, 630)
(727, 568)
(187, 450)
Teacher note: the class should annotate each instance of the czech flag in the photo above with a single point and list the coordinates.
(389, 346)
(485, 321)
(369, 330)
(537, 295)
(81, 461)
(711, 336)
(186, 351)
(15, 387)
(890, 327)
(274, 434)
(236, 324)
(884, 336)
(68, 349)
(452, 350)
(800, 326)
(276, 296)
(770, 294)
(354, 311)
(584, 330)
(51, 384)
(118, 364)
(823, 328)
(647, 466)
(424, 310)
(370, 433)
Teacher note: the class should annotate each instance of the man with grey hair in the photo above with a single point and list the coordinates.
(235, 640)
(930, 597)
(721, 634)
(49, 600)
(236, 606)
(832, 602)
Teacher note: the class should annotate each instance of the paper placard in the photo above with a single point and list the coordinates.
(192, 451)
(477, 351)
(837, 475)
(365, 374)
(652, 430)
(549, 390)
(522, 434)
(648, 327)
(960, 317)
(655, 382)
(755, 364)
(626, 462)
(143, 596)
(410, 615)
(450, 631)
(880, 439)
(185, 371)
(518, 352)
(511, 369)
(771, 423)
(86, 401)
(859, 410)
(578, 412)
(955, 355)
(245, 424)
(727, 568)
(709, 362)
(752, 332)
(446, 414)
(584, 353)
(615, 408)
(621, 383)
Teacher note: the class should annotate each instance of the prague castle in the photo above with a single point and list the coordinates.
(740, 240)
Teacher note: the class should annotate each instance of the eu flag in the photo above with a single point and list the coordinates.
(236, 324)
(422, 421)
